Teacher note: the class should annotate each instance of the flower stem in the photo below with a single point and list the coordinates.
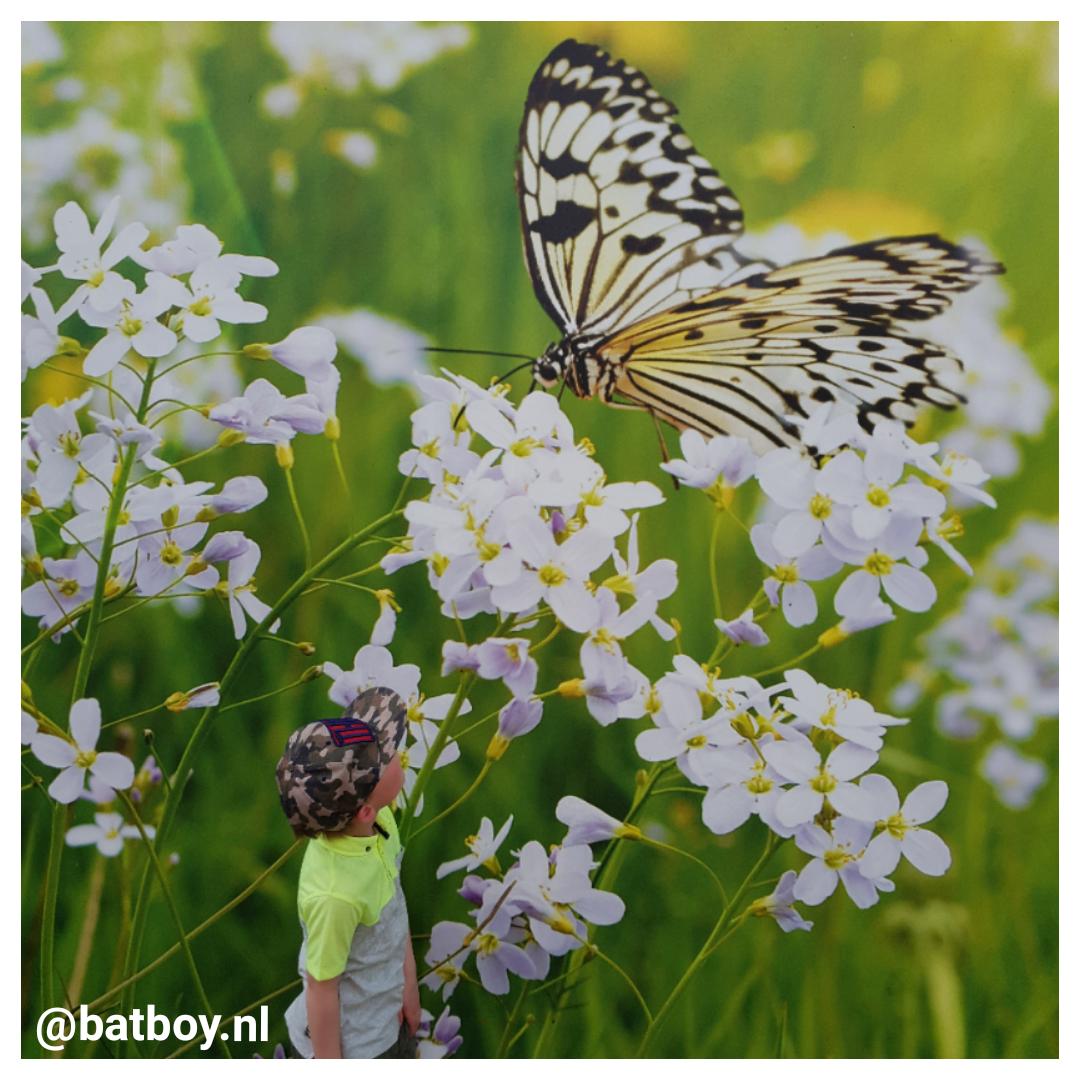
(170, 900)
(714, 577)
(717, 932)
(789, 663)
(470, 790)
(305, 539)
(660, 845)
(405, 826)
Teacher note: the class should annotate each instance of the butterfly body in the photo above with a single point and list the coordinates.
(629, 239)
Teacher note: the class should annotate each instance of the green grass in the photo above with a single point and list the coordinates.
(963, 965)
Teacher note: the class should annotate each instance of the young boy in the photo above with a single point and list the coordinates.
(337, 779)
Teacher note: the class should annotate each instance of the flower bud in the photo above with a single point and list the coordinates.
(230, 437)
(285, 456)
(312, 673)
(306, 647)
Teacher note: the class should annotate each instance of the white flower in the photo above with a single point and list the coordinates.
(836, 712)
(265, 415)
(787, 583)
(76, 761)
(743, 630)
(372, 666)
(836, 858)
(740, 783)
(67, 585)
(780, 905)
(901, 833)
(723, 458)
(791, 480)
(108, 833)
(207, 300)
(587, 824)
(54, 435)
(357, 148)
(482, 846)
(195, 246)
(240, 589)
(816, 780)
(601, 655)
(555, 573)
(656, 582)
(131, 324)
(82, 258)
(41, 332)
(382, 632)
(871, 487)
(307, 351)
(883, 568)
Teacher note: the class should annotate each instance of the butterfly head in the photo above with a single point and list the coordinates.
(549, 368)
(561, 363)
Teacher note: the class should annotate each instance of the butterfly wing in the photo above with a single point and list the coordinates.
(621, 216)
(752, 358)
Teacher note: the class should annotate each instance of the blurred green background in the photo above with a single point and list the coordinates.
(868, 129)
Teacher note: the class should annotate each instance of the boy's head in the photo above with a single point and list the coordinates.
(333, 769)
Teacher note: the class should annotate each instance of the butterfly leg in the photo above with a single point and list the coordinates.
(633, 407)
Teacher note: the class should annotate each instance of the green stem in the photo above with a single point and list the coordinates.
(629, 982)
(470, 790)
(714, 578)
(405, 826)
(340, 467)
(716, 933)
(788, 663)
(170, 900)
(299, 516)
(505, 1041)
(660, 845)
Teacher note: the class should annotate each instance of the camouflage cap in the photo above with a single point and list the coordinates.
(330, 767)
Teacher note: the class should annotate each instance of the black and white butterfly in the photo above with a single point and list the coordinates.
(628, 235)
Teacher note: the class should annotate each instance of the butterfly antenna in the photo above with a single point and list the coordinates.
(476, 352)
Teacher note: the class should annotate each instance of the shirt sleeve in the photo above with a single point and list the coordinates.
(331, 923)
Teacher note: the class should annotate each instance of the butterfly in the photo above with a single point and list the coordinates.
(629, 239)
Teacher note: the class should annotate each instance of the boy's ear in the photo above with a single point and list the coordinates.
(366, 812)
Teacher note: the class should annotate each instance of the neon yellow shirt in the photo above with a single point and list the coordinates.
(345, 881)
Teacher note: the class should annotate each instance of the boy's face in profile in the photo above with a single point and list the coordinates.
(390, 783)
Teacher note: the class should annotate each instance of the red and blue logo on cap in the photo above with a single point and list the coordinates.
(349, 731)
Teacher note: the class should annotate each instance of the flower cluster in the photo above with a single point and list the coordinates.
(518, 522)
(994, 660)
(871, 502)
(160, 544)
(798, 756)
(538, 909)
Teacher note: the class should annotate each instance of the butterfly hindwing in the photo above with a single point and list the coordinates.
(621, 216)
(752, 358)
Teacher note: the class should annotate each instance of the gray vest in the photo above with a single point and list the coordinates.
(370, 989)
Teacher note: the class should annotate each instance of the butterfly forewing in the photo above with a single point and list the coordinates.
(621, 216)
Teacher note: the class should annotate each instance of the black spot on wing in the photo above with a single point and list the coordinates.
(567, 221)
(641, 245)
